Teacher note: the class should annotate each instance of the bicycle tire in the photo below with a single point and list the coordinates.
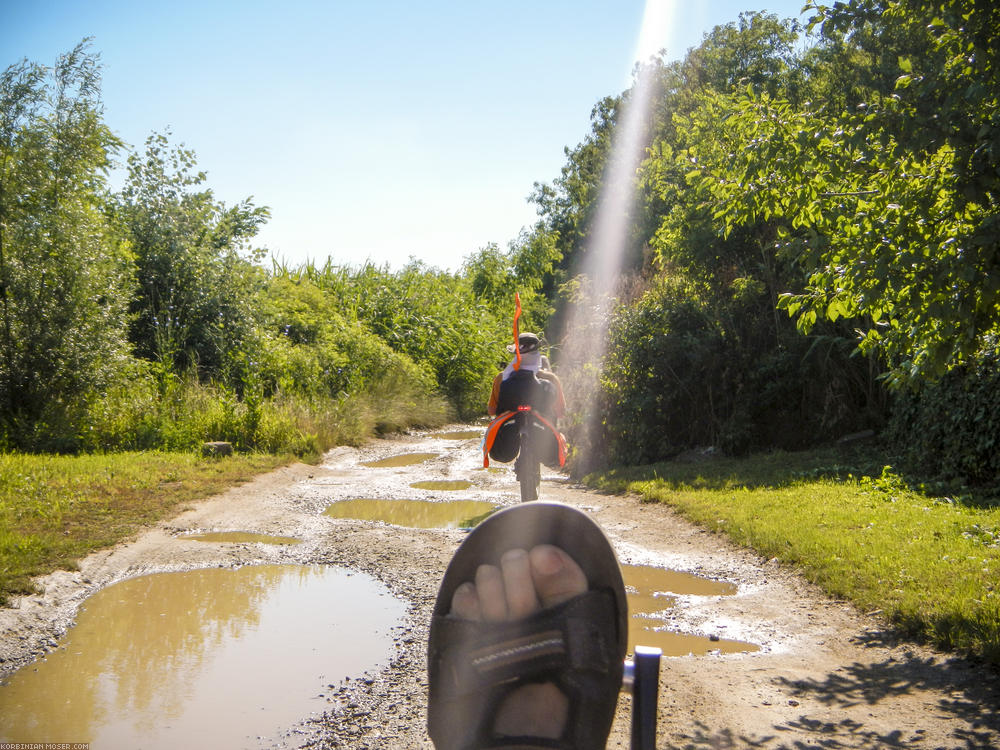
(527, 467)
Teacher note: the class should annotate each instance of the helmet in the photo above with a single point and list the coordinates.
(526, 342)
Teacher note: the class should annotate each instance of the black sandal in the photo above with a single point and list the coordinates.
(578, 645)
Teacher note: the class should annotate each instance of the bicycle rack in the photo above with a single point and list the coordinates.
(642, 680)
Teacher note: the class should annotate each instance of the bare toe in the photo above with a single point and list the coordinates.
(465, 603)
(518, 584)
(556, 575)
(490, 591)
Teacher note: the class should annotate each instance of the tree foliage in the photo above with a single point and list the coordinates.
(142, 319)
(64, 271)
(851, 183)
(892, 206)
(195, 305)
(431, 316)
(314, 350)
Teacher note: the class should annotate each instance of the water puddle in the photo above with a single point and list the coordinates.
(446, 485)
(460, 435)
(206, 658)
(653, 585)
(651, 591)
(416, 514)
(405, 459)
(240, 537)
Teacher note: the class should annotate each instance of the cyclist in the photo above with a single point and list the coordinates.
(527, 385)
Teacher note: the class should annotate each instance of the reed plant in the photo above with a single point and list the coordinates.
(181, 416)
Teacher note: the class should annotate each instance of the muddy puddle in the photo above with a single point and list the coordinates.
(446, 485)
(240, 537)
(206, 658)
(415, 514)
(652, 592)
(459, 435)
(405, 459)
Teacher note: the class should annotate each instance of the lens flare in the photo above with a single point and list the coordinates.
(584, 336)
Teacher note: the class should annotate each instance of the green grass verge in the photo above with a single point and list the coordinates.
(57, 509)
(930, 563)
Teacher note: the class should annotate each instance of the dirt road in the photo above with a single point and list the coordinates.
(825, 676)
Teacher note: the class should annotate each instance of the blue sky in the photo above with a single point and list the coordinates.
(373, 130)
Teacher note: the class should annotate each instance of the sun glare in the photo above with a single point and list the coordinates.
(654, 35)
(584, 339)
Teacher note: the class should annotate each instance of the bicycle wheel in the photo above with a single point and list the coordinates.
(527, 467)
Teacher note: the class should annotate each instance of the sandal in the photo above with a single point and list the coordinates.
(578, 645)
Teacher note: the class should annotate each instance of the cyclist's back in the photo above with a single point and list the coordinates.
(524, 388)
(526, 385)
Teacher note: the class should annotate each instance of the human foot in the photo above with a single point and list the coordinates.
(528, 634)
(523, 583)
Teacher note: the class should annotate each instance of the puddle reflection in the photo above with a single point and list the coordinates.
(652, 590)
(444, 485)
(216, 657)
(405, 459)
(460, 435)
(240, 537)
(416, 514)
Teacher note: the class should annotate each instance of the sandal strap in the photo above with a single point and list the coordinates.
(578, 635)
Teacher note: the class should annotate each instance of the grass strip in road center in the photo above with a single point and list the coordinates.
(57, 509)
(929, 563)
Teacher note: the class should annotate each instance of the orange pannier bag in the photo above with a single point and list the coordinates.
(494, 427)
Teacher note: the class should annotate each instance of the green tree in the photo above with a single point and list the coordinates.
(197, 306)
(567, 205)
(64, 272)
(495, 276)
(891, 206)
(491, 276)
(699, 354)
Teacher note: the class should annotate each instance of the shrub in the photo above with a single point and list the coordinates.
(688, 368)
(950, 428)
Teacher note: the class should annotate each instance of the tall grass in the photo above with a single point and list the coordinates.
(186, 413)
(56, 509)
(926, 561)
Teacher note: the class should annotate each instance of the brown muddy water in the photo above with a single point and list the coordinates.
(405, 459)
(205, 658)
(415, 514)
(240, 537)
(444, 485)
(652, 591)
(460, 435)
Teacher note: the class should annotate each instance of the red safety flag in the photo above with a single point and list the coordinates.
(517, 336)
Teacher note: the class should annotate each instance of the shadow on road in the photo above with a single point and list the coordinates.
(965, 692)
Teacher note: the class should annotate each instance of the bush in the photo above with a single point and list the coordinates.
(951, 428)
(686, 368)
(662, 376)
(432, 317)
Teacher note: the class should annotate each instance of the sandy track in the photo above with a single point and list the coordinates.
(826, 676)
